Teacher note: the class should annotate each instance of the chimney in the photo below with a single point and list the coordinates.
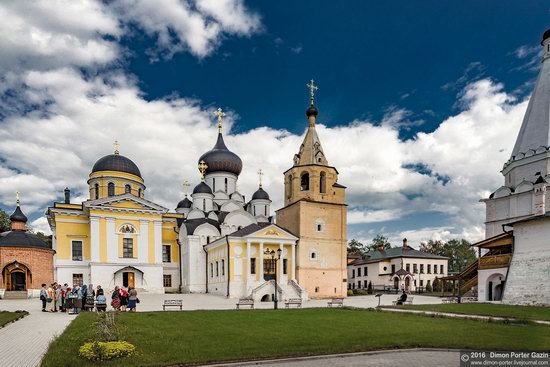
(67, 195)
(405, 245)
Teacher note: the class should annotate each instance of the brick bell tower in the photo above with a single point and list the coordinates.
(315, 211)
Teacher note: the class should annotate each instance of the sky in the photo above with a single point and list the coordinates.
(419, 102)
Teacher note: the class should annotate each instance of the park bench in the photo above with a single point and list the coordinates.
(409, 301)
(294, 301)
(172, 303)
(336, 302)
(245, 302)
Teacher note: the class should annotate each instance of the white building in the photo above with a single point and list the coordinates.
(521, 207)
(402, 268)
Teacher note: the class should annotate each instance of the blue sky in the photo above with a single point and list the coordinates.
(419, 102)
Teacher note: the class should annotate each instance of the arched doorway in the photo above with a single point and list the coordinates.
(16, 277)
(396, 283)
(495, 287)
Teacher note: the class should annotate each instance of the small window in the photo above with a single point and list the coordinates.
(78, 279)
(393, 268)
(289, 185)
(365, 271)
(265, 210)
(111, 189)
(226, 184)
(408, 268)
(253, 265)
(415, 268)
(304, 182)
(211, 270)
(217, 269)
(435, 269)
(421, 282)
(139, 192)
(166, 255)
(353, 273)
(358, 284)
(317, 289)
(319, 227)
(127, 247)
(385, 268)
(77, 250)
(358, 272)
(213, 185)
(96, 191)
(223, 267)
(285, 265)
(167, 280)
(313, 255)
(127, 189)
(429, 268)
(421, 268)
(441, 269)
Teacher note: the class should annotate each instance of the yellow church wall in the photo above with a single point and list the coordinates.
(68, 231)
(217, 254)
(151, 241)
(120, 179)
(169, 237)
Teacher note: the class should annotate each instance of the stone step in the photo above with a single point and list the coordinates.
(15, 295)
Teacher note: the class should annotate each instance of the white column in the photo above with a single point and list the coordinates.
(261, 261)
(247, 259)
(158, 242)
(281, 261)
(293, 269)
(143, 241)
(94, 238)
(112, 243)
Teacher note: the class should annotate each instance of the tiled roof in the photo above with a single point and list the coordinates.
(375, 256)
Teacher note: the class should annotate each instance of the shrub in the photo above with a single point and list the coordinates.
(369, 288)
(104, 351)
(350, 292)
(436, 285)
(429, 288)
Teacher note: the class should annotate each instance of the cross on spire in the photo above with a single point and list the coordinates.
(220, 114)
(202, 168)
(260, 174)
(186, 186)
(17, 201)
(312, 89)
(117, 146)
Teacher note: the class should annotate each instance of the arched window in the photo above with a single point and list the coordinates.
(254, 210)
(111, 189)
(96, 191)
(127, 228)
(304, 182)
(204, 204)
(265, 210)
(139, 193)
(323, 183)
(226, 184)
(213, 185)
(127, 189)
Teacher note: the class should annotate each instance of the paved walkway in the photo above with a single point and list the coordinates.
(24, 342)
(462, 316)
(409, 358)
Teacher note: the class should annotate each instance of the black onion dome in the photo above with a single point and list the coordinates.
(202, 188)
(22, 239)
(116, 162)
(545, 36)
(312, 111)
(18, 216)
(260, 194)
(185, 203)
(222, 159)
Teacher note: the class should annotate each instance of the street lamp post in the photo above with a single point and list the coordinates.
(274, 260)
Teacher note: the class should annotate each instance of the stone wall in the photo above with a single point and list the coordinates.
(528, 280)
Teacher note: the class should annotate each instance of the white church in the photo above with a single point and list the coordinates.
(515, 268)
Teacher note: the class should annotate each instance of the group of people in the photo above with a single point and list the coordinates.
(62, 298)
(124, 299)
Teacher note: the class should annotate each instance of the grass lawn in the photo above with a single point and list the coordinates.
(487, 309)
(164, 338)
(7, 317)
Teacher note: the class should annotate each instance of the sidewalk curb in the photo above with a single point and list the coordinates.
(325, 356)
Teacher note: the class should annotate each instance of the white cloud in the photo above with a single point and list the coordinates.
(372, 216)
(197, 26)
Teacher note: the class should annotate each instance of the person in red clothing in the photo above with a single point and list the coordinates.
(123, 299)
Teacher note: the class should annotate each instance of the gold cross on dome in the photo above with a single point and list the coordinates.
(312, 89)
(220, 114)
(117, 146)
(202, 168)
(17, 201)
(186, 186)
(260, 174)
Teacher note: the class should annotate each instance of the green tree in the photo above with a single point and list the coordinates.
(459, 252)
(429, 288)
(379, 241)
(5, 223)
(357, 247)
(436, 285)
(369, 288)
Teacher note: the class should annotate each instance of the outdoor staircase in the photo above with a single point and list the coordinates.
(468, 285)
(287, 290)
(15, 295)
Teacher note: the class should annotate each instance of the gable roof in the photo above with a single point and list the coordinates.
(106, 202)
